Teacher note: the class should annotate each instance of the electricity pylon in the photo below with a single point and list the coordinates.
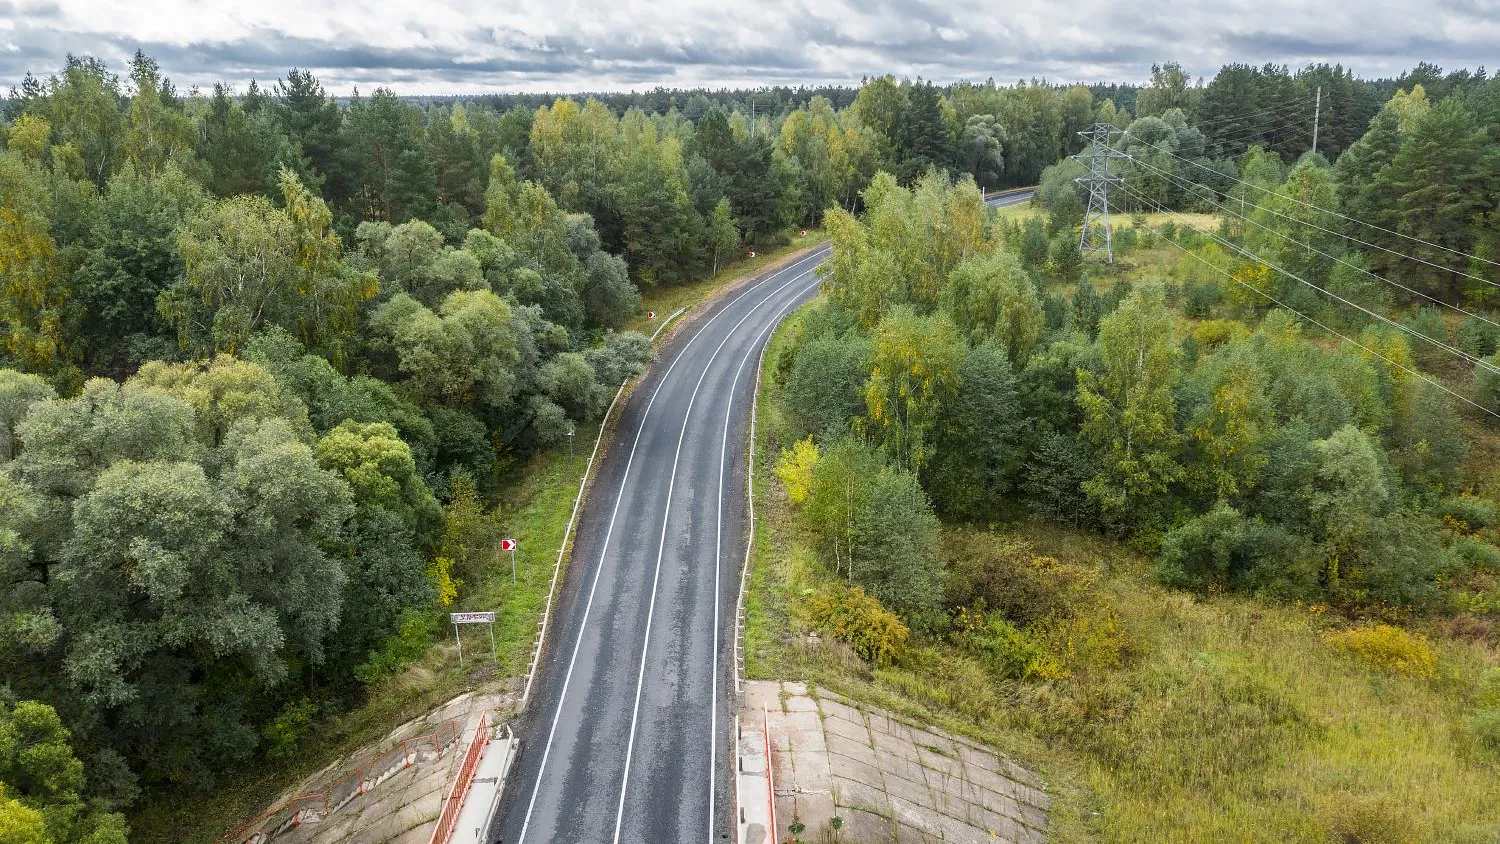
(1097, 236)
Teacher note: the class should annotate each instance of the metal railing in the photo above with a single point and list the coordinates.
(453, 803)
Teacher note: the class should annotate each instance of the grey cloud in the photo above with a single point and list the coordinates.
(826, 43)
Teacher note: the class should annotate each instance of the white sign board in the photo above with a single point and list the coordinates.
(472, 617)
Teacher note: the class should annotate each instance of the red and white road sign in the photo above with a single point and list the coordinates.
(507, 545)
(752, 254)
(651, 315)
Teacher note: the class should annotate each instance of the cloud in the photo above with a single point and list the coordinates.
(434, 46)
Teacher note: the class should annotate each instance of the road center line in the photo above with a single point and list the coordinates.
(619, 496)
(662, 545)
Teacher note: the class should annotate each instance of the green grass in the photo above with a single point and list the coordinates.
(1206, 222)
(1230, 719)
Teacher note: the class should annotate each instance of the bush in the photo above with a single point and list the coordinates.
(417, 630)
(821, 392)
(1485, 722)
(1385, 646)
(1477, 555)
(285, 732)
(1006, 650)
(1480, 337)
(1201, 298)
(795, 469)
(1428, 322)
(861, 622)
(1367, 819)
(1466, 513)
(1222, 549)
(1063, 258)
(876, 524)
(1487, 382)
(1005, 576)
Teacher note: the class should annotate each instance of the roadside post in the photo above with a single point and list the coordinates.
(474, 618)
(510, 545)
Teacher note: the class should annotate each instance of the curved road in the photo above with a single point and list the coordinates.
(628, 739)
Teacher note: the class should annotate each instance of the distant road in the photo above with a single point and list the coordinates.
(628, 736)
(1010, 198)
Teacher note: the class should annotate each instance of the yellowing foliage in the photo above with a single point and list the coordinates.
(795, 469)
(1389, 647)
(860, 621)
(440, 572)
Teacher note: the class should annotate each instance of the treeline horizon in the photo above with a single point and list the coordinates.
(264, 358)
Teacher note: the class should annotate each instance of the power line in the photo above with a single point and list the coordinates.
(1182, 183)
(1454, 350)
(1287, 106)
(1344, 217)
(1489, 367)
(1311, 224)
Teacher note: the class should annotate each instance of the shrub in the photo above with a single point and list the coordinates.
(1063, 258)
(1466, 513)
(1201, 298)
(415, 634)
(861, 622)
(1480, 337)
(1213, 333)
(1385, 646)
(1477, 555)
(1007, 650)
(1367, 819)
(1487, 382)
(1485, 722)
(1005, 576)
(795, 469)
(1088, 639)
(285, 732)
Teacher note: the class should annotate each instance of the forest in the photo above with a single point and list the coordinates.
(1039, 484)
(268, 357)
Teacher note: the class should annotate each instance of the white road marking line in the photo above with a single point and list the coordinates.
(662, 545)
(713, 707)
(619, 495)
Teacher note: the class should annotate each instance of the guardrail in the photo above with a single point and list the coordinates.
(453, 803)
(994, 193)
(542, 625)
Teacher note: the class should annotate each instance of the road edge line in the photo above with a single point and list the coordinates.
(583, 485)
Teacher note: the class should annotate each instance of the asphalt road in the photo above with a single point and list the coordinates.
(628, 735)
(628, 738)
(1015, 198)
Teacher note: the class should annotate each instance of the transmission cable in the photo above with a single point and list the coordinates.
(1180, 182)
(1488, 367)
(1321, 209)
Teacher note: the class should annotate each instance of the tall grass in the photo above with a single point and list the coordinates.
(1231, 720)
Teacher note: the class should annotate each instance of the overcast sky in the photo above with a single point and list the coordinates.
(446, 46)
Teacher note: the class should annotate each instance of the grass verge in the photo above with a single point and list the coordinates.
(1228, 720)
